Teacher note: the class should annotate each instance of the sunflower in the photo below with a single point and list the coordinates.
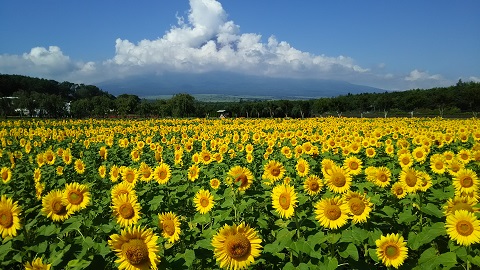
(273, 171)
(249, 158)
(122, 188)
(193, 172)
(76, 196)
(302, 167)
(53, 206)
(463, 227)
(129, 175)
(114, 173)
(370, 152)
(409, 177)
(353, 165)
(9, 220)
(6, 175)
(39, 187)
(49, 157)
(419, 154)
(399, 190)
(162, 173)
(126, 209)
(392, 250)
(437, 164)
(145, 172)
(312, 185)
(215, 183)
(203, 201)
(135, 154)
(466, 181)
(170, 226)
(286, 151)
(460, 203)
(339, 180)
(136, 248)
(284, 200)
(79, 166)
(102, 171)
(241, 176)
(327, 165)
(332, 213)
(381, 176)
(236, 246)
(464, 156)
(103, 152)
(37, 264)
(67, 156)
(360, 206)
(454, 166)
(405, 160)
(206, 157)
(40, 160)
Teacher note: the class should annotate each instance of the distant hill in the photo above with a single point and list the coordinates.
(232, 84)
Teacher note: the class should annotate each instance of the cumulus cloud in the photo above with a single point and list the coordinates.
(207, 41)
(416, 75)
(474, 79)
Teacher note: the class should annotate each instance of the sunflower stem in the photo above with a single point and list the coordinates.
(300, 257)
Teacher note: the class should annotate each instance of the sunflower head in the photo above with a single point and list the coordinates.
(312, 185)
(53, 206)
(170, 225)
(463, 227)
(284, 200)
(332, 213)
(392, 250)
(37, 264)
(203, 201)
(76, 196)
(9, 217)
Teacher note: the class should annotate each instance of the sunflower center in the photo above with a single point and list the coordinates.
(162, 174)
(391, 251)
(313, 185)
(284, 201)
(353, 165)
(382, 177)
(5, 175)
(237, 246)
(275, 171)
(243, 179)
(136, 252)
(6, 218)
(405, 160)
(411, 179)
(332, 212)
(75, 197)
(168, 227)
(126, 211)
(204, 202)
(357, 206)
(58, 208)
(466, 181)
(130, 177)
(339, 180)
(399, 190)
(146, 173)
(301, 168)
(464, 228)
(439, 165)
(419, 154)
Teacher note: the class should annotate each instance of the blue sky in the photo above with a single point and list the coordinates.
(394, 45)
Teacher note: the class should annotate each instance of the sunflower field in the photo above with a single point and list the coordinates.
(320, 193)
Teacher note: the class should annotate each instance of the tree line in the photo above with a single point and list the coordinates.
(28, 96)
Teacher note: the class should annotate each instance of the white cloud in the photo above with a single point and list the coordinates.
(416, 75)
(208, 41)
(474, 79)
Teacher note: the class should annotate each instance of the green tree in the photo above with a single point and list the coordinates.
(127, 104)
(182, 105)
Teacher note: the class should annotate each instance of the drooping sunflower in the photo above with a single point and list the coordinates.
(332, 213)
(284, 200)
(37, 175)
(76, 196)
(170, 226)
(242, 176)
(273, 171)
(454, 166)
(103, 152)
(339, 180)
(136, 248)
(327, 165)
(145, 172)
(102, 171)
(312, 185)
(53, 206)
(162, 173)
(9, 217)
(399, 190)
(129, 175)
(39, 187)
(6, 175)
(67, 156)
(460, 203)
(465, 181)
(193, 173)
(126, 209)
(425, 181)
(114, 173)
(359, 205)
(353, 165)
(122, 188)
(392, 250)
(79, 166)
(37, 264)
(203, 201)
(302, 167)
(463, 227)
(236, 246)
(59, 170)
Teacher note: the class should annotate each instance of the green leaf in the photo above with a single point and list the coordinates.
(431, 209)
(189, 257)
(156, 202)
(350, 251)
(406, 217)
(431, 260)
(330, 263)
(389, 210)
(204, 243)
(78, 264)
(359, 235)
(317, 238)
(71, 227)
(475, 260)
(300, 246)
(48, 230)
(40, 248)
(427, 235)
(373, 254)
(289, 266)
(5, 249)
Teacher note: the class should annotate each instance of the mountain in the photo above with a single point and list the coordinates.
(226, 83)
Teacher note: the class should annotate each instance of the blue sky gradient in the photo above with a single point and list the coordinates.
(394, 45)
